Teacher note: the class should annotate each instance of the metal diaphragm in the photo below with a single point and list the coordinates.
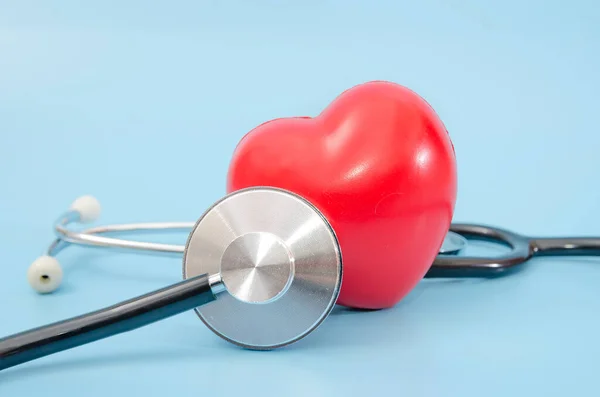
(279, 261)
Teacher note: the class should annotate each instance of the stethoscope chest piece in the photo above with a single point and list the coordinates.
(278, 262)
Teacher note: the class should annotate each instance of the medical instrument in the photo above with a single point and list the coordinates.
(262, 268)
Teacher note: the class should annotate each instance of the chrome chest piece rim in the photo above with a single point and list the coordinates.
(453, 244)
(280, 265)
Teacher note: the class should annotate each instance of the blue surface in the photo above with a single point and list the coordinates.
(142, 104)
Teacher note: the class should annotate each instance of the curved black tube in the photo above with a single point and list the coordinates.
(122, 317)
(456, 266)
(522, 248)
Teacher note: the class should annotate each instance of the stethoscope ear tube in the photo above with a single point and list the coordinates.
(123, 317)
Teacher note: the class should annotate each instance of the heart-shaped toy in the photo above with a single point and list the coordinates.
(379, 164)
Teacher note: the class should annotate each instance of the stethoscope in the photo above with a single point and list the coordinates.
(262, 268)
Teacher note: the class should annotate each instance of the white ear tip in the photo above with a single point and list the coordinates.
(88, 208)
(45, 274)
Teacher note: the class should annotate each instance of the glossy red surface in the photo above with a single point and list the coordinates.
(379, 164)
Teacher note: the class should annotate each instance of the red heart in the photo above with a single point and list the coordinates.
(379, 164)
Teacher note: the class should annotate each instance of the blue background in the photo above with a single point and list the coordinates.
(141, 104)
